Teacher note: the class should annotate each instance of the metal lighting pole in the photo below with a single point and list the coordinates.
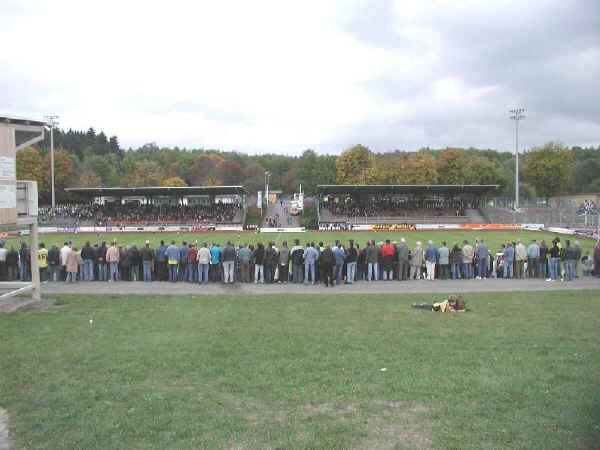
(52, 123)
(516, 115)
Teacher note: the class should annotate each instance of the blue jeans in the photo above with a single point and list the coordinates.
(554, 268)
(350, 272)
(482, 268)
(541, 267)
(173, 272)
(508, 269)
(71, 277)
(372, 271)
(339, 268)
(309, 267)
(455, 271)
(147, 270)
(569, 270)
(259, 268)
(190, 272)
(135, 272)
(114, 271)
(88, 270)
(53, 272)
(203, 273)
(102, 271)
(297, 273)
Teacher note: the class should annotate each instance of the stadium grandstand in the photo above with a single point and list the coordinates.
(150, 206)
(408, 204)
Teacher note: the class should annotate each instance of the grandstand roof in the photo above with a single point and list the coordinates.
(406, 188)
(158, 190)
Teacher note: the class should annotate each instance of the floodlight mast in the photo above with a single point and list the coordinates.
(516, 115)
(52, 123)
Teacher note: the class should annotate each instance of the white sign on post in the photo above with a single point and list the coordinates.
(7, 168)
(8, 196)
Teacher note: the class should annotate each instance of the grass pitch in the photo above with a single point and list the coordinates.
(519, 371)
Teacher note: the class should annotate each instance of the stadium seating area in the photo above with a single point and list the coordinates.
(388, 210)
(133, 214)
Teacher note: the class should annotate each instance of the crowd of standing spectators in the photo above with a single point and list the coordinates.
(312, 263)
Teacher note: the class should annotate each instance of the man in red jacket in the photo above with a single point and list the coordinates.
(387, 253)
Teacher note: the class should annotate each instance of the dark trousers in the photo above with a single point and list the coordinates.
(269, 273)
(444, 271)
(283, 272)
(532, 267)
(13, 272)
(161, 270)
(327, 274)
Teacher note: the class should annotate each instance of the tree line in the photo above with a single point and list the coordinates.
(91, 159)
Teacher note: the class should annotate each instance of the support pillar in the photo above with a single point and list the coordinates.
(35, 271)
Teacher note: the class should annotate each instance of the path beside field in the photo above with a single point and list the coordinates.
(380, 287)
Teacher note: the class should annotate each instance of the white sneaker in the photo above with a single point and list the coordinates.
(548, 279)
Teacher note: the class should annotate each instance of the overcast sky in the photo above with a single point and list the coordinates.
(281, 76)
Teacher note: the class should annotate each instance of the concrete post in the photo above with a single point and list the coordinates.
(35, 271)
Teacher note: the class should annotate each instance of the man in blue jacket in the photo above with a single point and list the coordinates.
(310, 257)
(183, 251)
(339, 255)
(215, 259)
(431, 257)
(509, 260)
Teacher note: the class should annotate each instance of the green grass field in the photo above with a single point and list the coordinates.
(493, 238)
(300, 372)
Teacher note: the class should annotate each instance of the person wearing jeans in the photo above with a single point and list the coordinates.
(112, 258)
(554, 262)
(203, 261)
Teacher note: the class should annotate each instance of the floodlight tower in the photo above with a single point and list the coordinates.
(516, 115)
(51, 124)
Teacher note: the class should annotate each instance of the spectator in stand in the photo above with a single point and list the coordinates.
(173, 260)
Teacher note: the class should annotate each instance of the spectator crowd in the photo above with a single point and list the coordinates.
(139, 214)
(382, 206)
(312, 263)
